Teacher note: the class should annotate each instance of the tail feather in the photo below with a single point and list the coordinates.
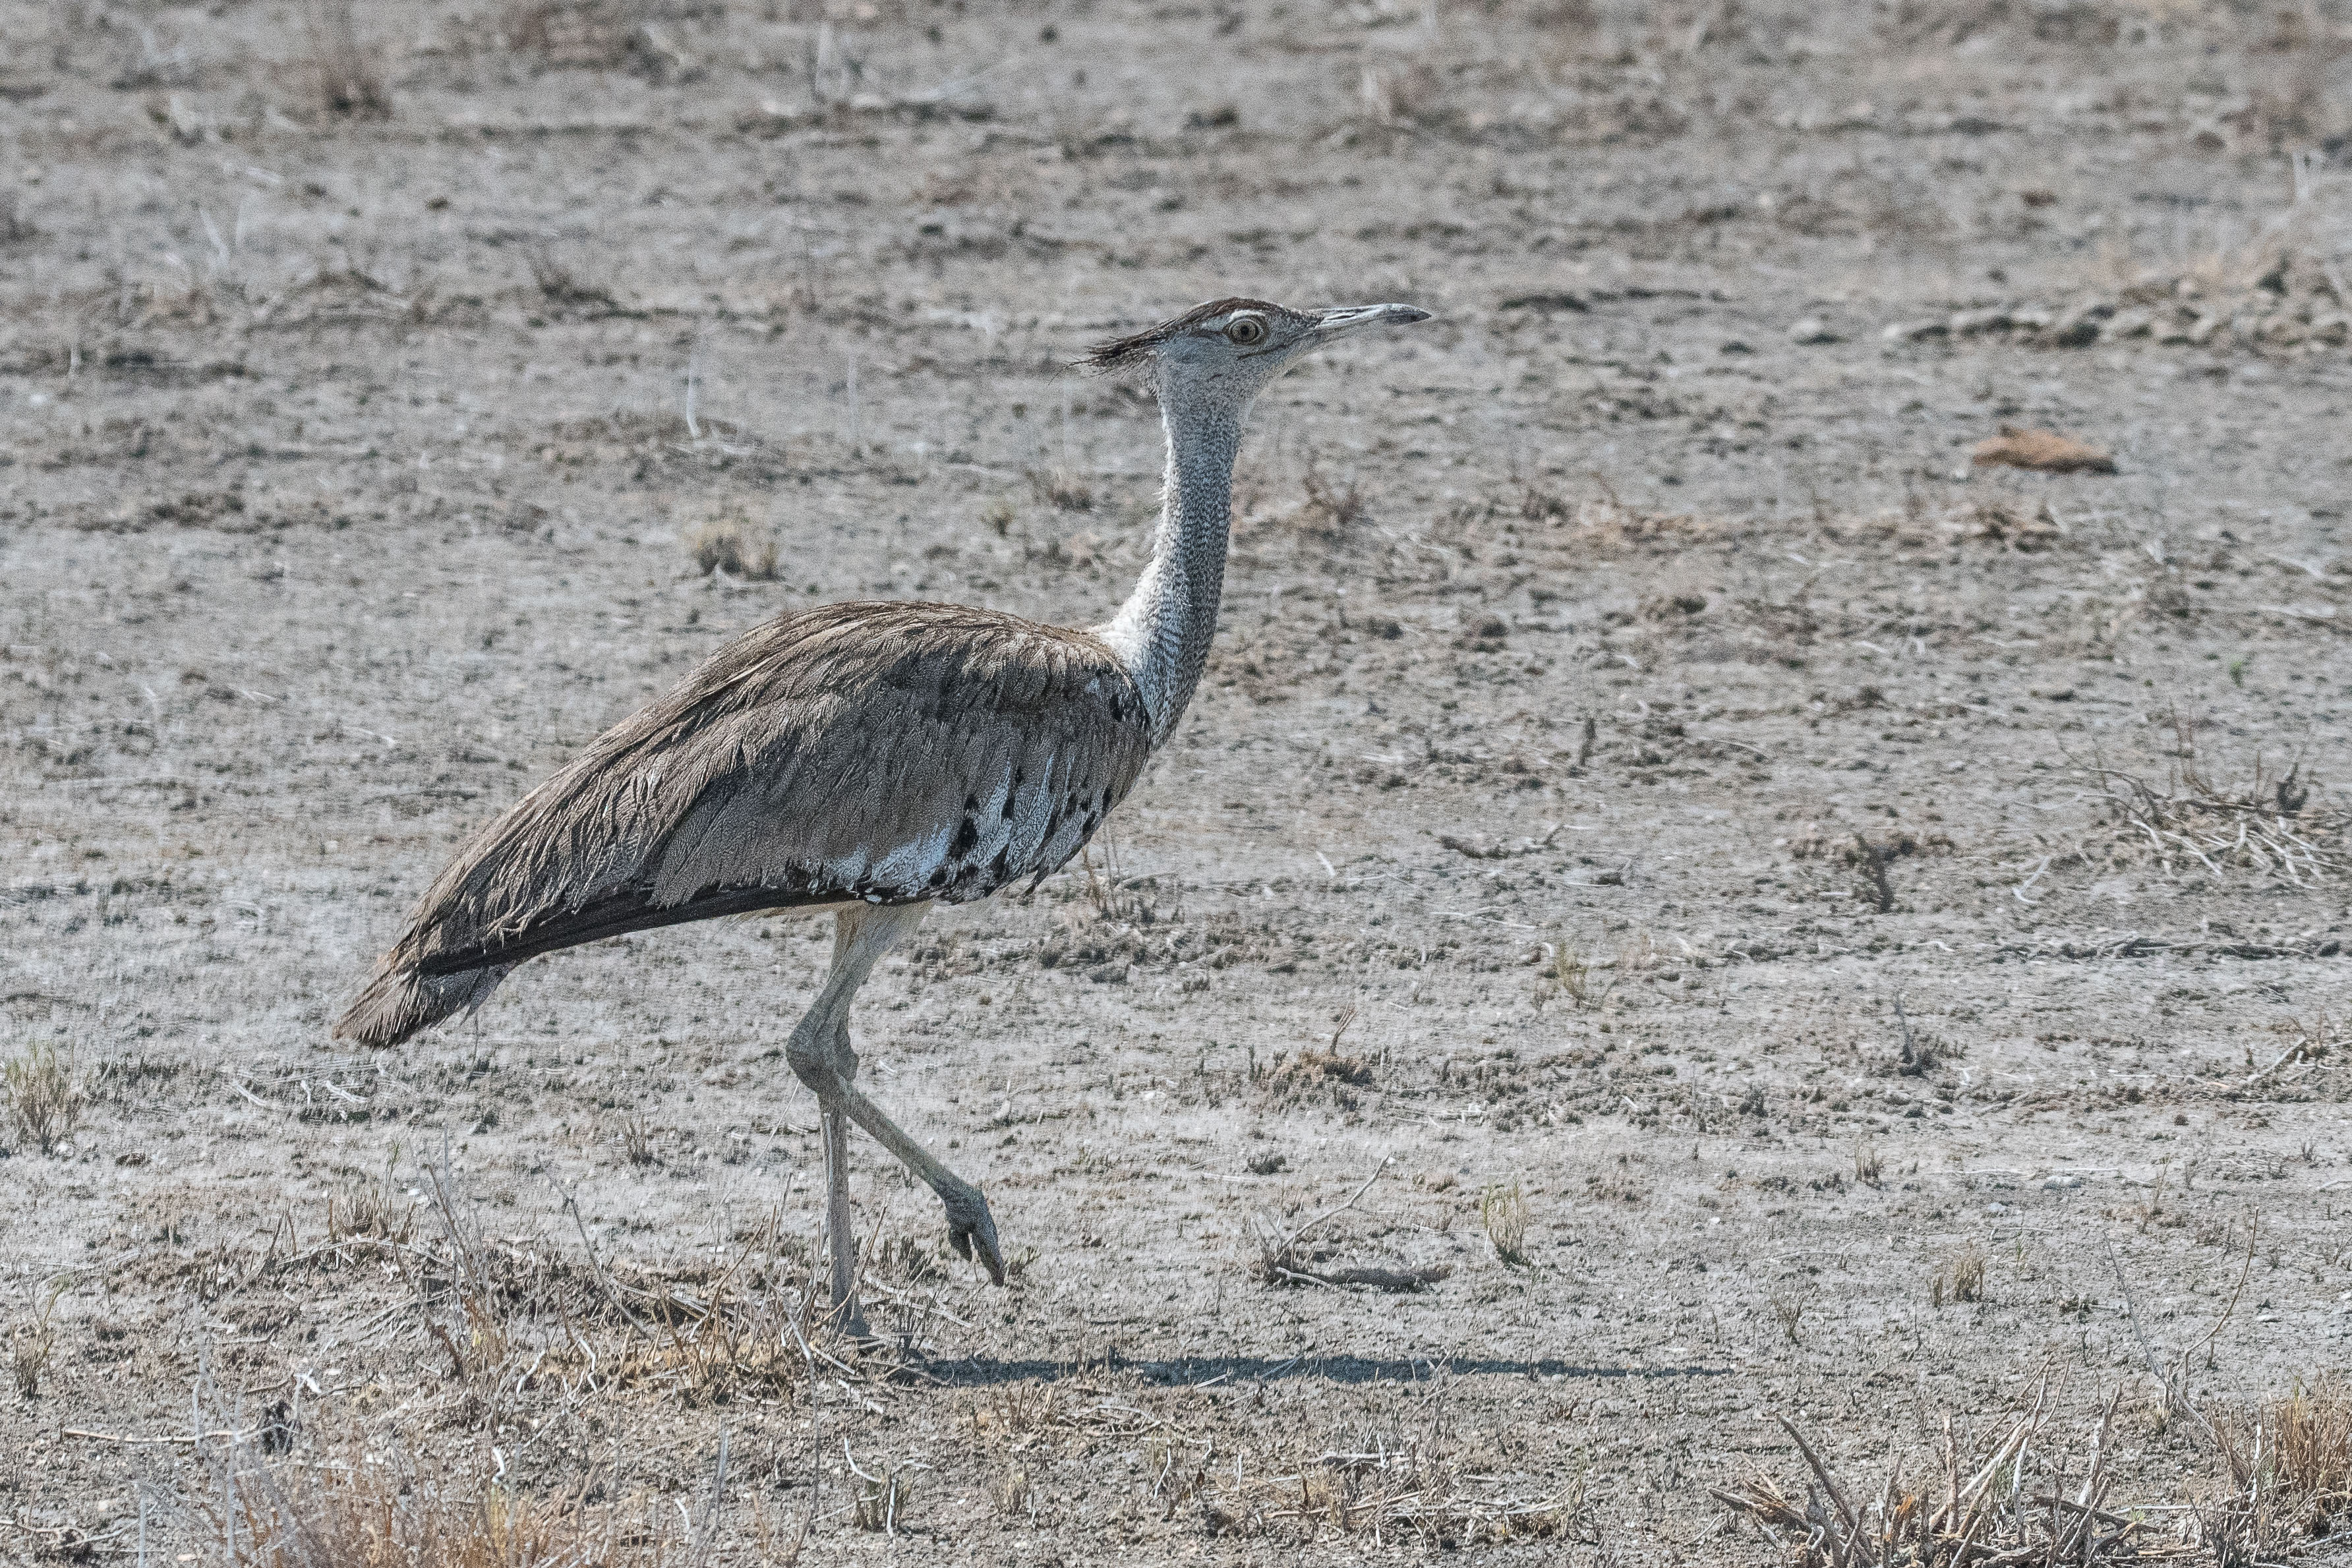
(399, 1000)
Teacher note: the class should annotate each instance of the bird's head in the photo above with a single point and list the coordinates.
(1224, 352)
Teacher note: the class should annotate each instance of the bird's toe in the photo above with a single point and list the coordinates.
(971, 1232)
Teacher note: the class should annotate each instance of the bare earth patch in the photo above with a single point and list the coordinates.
(1690, 914)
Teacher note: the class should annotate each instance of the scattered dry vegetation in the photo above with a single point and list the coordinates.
(729, 545)
(2265, 822)
(32, 1344)
(44, 1099)
(1333, 507)
(1960, 1278)
(2290, 1473)
(1064, 489)
(1503, 1213)
(363, 1510)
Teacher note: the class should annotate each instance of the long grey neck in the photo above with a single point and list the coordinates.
(1161, 634)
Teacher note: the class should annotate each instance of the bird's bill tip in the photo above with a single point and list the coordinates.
(1348, 317)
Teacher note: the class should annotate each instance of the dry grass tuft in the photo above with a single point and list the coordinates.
(1960, 1278)
(1790, 1305)
(1572, 974)
(29, 1352)
(564, 288)
(370, 1211)
(1333, 507)
(379, 1515)
(1015, 1494)
(2266, 822)
(44, 1100)
(2290, 1473)
(882, 1501)
(728, 544)
(348, 79)
(1062, 489)
(1998, 1504)
(1503, 1213)
(2030, 1498)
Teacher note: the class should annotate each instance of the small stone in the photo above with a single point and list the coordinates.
(1914, 331)
(1812, 329)
(2061, 1183)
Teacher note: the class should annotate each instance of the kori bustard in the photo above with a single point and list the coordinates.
(870, 759)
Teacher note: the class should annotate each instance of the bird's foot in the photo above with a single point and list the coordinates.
(972, 1233)
(848, 1319)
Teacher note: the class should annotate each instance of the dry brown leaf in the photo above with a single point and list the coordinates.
(2044, 449)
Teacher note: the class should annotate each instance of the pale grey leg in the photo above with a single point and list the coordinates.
(821, 1056)
(839, 1240)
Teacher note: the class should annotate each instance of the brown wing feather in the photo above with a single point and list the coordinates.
(886, 752)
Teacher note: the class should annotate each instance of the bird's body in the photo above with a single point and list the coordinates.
(883, 753)
(868, 758)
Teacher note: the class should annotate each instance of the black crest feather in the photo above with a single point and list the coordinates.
(1120, 353)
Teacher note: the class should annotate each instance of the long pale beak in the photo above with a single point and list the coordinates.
(1332, 323)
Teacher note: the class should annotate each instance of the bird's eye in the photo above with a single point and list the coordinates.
(1246, 330)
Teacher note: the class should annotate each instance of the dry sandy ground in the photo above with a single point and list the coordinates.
(1630, 696)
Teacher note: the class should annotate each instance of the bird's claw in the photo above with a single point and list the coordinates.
(971, 1232)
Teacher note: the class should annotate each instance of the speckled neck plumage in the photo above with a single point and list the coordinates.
(1161, 634)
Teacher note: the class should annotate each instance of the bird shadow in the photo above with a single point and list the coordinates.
(1208, 1371)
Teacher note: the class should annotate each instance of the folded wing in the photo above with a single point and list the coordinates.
(883, 752)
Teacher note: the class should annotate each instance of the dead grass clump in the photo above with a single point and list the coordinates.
(372, 1514)
(728, 544)
(1063, 489)
(882, 1500)
(31, 1346)
(1503, 1213)
(44, 1098)
(1015, 1494)
(560, 287)
(2290, 1472)
(1333, 507)
(369, 1210)
(1571, 973)
(1960, 1278)
(2265, 822)
(348, 78)
(1998, 1502)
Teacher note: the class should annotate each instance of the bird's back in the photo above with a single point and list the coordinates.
(886, 752)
